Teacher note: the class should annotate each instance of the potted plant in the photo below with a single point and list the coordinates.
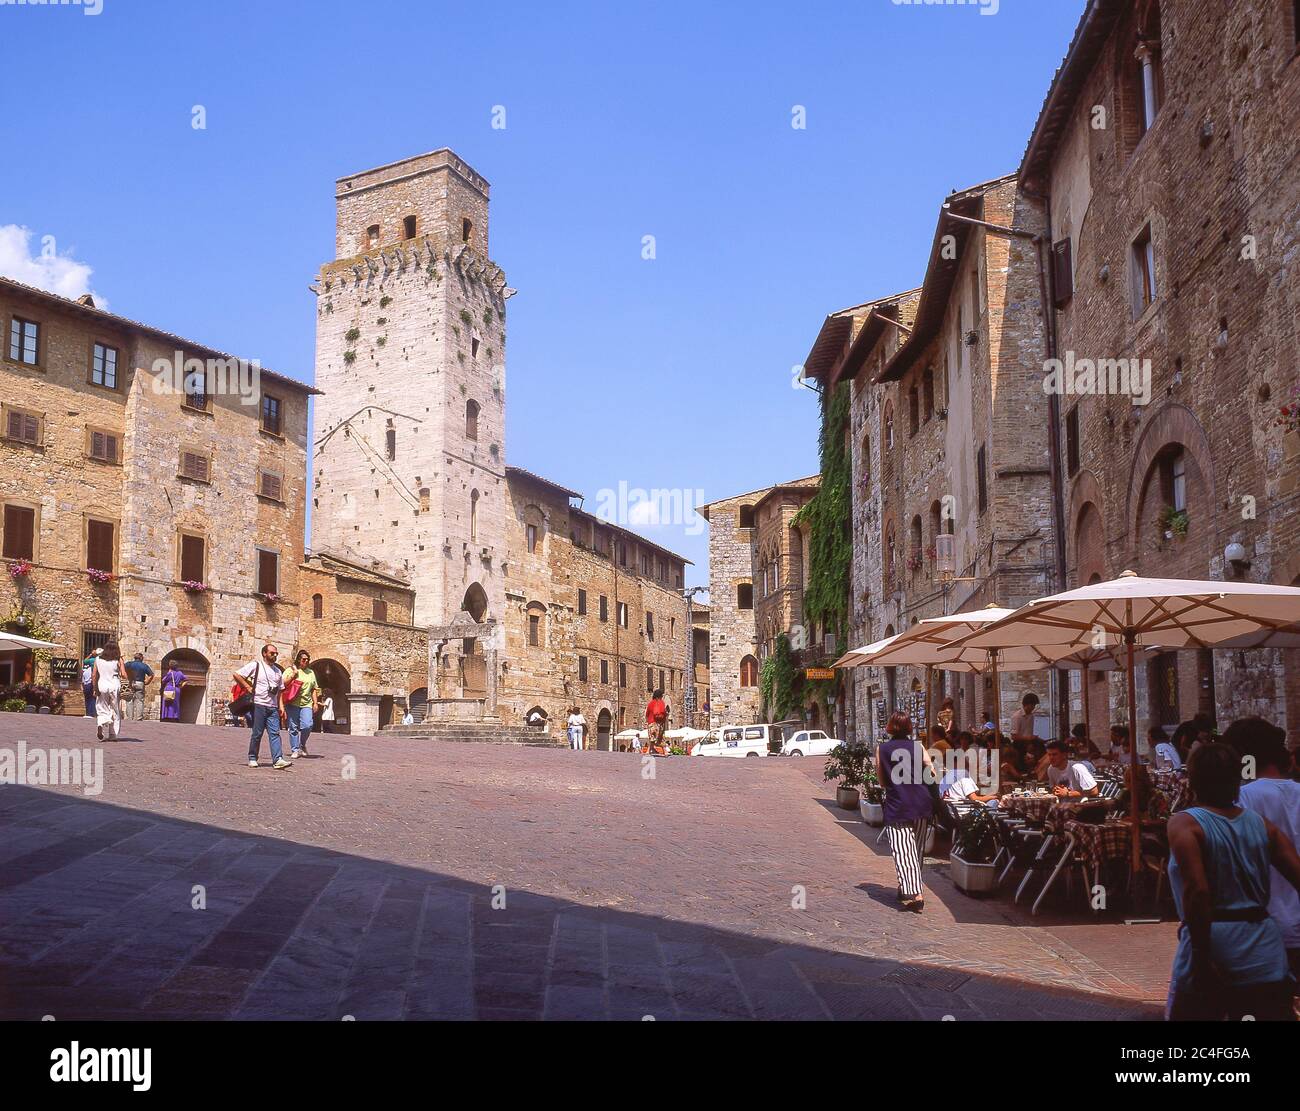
(20, 569)
(848, 762)
(270, 597)
(872, 806)
(1174, 522)
(98, 577)
(974, 847)
(191, 586)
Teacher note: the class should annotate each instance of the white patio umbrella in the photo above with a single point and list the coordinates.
(12, 642)
(858, 655)
(1132, 610)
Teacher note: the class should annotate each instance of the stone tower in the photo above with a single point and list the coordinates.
(409, 461)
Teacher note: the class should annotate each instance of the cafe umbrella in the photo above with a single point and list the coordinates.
(1135, 612)
(12, 642)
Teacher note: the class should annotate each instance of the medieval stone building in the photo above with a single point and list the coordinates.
(530, 604)
(153, 492)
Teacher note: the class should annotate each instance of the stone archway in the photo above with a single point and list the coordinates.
(194, 703)
(336, 682)
(1174, 424)
(604, 730)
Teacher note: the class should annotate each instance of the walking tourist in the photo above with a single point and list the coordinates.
(301, 702)
(110, 674)
(902, 764)
(577, 729)
(1274, 795)
(173, 682)
(264, 680)
(1231, 961)
(139, 675)
(88, 681)
(656, 716)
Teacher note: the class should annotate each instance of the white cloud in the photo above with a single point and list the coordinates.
(46, 269)
(643, 512)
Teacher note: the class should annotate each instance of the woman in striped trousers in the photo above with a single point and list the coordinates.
(908, 806)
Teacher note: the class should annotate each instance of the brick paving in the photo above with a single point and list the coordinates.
(373, 896)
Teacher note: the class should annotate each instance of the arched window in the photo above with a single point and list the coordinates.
(889, 554)
(473, 515)
(913, 411)
(918, 539)
(424, 499)
(466, 229)
(317, 605)
(866, 458)
(536, 625)
(408, 227)
(471, 420)
(372, 236)
(475, 603)
(391, 441)
(749, 672)
(887, 425)
(936, 521)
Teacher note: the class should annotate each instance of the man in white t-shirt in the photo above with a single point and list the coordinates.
(1272, 795)
(1069, 778)
(577, 729)
(958, 787)
(265, 680)
(1022, 721)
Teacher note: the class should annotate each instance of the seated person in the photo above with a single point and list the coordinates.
(965, 740)
(1163, 754)
(1080, 755)
(1069, 778)
(959, 788)
(1119, 743)
(1036, 759)
(1083, 745)
(1010, 769)
(939, 739)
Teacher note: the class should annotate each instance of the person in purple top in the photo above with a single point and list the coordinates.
(902, 765)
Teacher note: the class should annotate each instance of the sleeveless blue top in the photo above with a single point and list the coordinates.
(906, 796)
(1237, 869)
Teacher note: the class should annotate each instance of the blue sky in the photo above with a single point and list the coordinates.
(622, 120)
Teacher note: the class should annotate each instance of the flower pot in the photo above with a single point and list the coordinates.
(846, 798)
(974, 879)
(873, 813)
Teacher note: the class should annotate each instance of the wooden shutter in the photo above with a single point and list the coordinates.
(379, 609)
(1062, 272)
(270, 486)
(103, 446)
(192, 551)
(268, 572)
(99, 545)
(194, 466)
(24, 426)
(20, 532)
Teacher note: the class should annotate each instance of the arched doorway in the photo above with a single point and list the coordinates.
(194, 695)
(537, 718)
(336, 681)
(418, 702)
(604, 724)
(385, 710)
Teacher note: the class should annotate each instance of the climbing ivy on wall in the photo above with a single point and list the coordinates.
(780, 683)
(829, 516)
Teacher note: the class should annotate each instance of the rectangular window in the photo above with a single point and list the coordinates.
(981, 478)
(271, 421)
(1144, 272)
(582, 669)
(378, 609)
(270, 486)
(99, 546)
(1072, 441)
(1180, 483)
(196, 389)
(649, 680)
(1062, 273)
(582, 603)
(94, 638)
(23, 426)
(534, 630)
(622, 675)
(268, 572)
(193, 558)
(645, 565)
(103, 366)
(661, 679)
(604, 671)
(745, 596)
(102, 446)
(622, 614)
(649, 625)
(604, 608)
(24, 341)
(530, 536)
(194, 466)
(20, 532)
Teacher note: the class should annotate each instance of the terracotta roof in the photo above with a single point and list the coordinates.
(759, 494)
(89, 311)
(833, 339)
(521, 473)
(889, 311)
(347, 567)
(1099, 18)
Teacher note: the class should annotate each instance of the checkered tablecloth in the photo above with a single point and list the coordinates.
(1033, 808)
(1170, 780)
(1096, 843)
(1061, 815)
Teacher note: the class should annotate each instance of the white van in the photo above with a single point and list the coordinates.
(739, 740)
(809, 742)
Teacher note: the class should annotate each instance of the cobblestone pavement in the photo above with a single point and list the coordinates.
(624, 896)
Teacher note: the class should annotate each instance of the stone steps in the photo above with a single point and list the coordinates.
(472, 732)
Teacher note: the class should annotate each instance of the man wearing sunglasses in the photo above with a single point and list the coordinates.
(264, 680)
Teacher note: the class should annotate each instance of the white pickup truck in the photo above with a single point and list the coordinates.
(808, 742)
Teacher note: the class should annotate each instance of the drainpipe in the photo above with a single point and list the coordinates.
(1047, 287)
